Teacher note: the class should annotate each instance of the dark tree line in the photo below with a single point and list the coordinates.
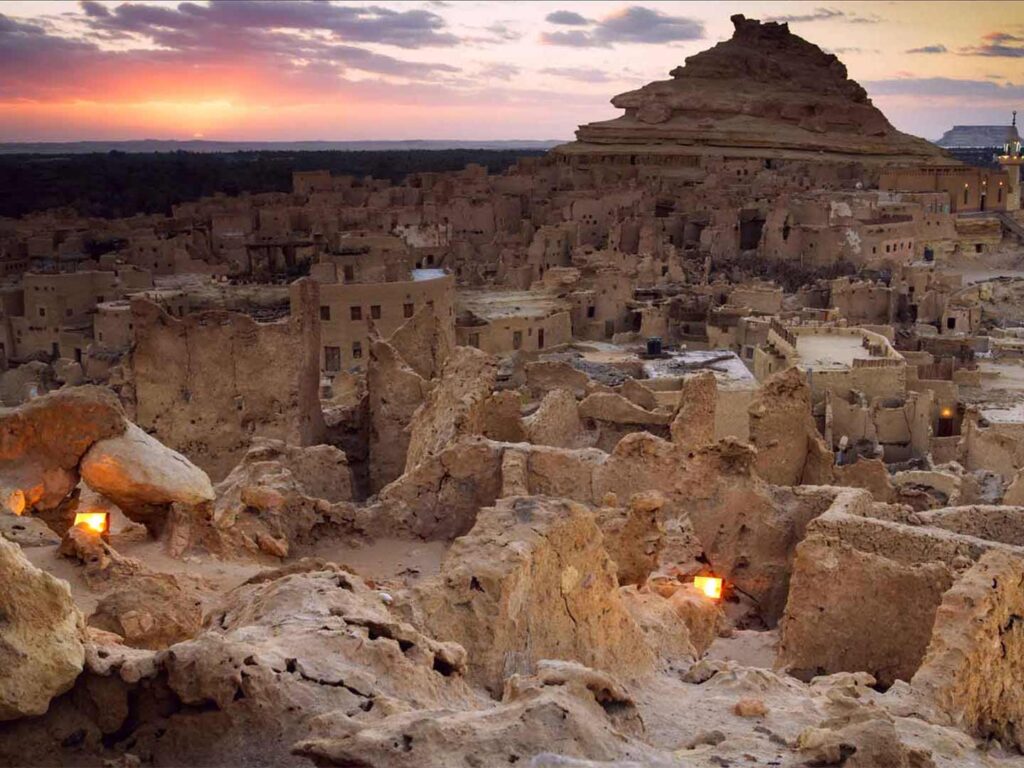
(119, 184)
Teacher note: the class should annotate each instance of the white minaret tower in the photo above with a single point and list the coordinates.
(1011, 161)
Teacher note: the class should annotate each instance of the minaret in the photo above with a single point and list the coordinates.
(1011, 161)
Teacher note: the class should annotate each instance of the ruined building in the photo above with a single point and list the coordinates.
(696, 442)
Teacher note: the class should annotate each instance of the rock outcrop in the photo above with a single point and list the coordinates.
(42, 636)
(138, 473)
(151, 610)
(576, 711)
(763, 93)
(43, 442)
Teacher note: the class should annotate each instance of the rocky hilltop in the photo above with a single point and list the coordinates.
(763, 93)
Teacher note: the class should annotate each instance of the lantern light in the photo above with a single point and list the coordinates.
(710, 586)
(946, 412)
(94, 522)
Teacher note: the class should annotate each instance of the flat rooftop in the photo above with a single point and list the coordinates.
(497, 305)
(427, 274)
(829, 351)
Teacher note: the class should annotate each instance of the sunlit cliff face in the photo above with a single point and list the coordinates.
(297, 70)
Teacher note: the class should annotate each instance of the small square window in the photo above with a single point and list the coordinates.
(517, 339)
(591, 311)
(325, 313)
(356, 313)
(375, 311)
(357, 350)
(42, 311)
(350, 273)
(407, 310)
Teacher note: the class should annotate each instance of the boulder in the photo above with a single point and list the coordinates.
(531, 581)
(137, 472)
(43, 441)
(152, 610)
(42, 636)
(278, 652)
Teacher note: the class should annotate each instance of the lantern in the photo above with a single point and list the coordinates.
(709, 586)
(94, 522)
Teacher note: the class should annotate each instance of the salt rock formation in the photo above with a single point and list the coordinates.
(454, 405)
(43, 441)
(531, 581)
(566, 708)
(975, 661)
(790, 450)
(137, 472)
(763, 93)
(152, 610)
(41, 636)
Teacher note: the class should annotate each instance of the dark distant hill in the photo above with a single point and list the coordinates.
(117, 184)
(201, 145)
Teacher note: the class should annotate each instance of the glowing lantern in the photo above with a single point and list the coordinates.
(711, 586)
(946, 413)
(95, 522)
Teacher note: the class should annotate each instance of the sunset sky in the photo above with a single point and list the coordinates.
(289, 70)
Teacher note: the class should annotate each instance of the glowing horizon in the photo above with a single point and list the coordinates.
(340, 71)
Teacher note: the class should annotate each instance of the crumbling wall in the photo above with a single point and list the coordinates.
(892, 576)
(975, 660)
(790, 450)
(532, 581)
(207, 383)
(454, 406)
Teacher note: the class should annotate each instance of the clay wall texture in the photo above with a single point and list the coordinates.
(209, 382)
